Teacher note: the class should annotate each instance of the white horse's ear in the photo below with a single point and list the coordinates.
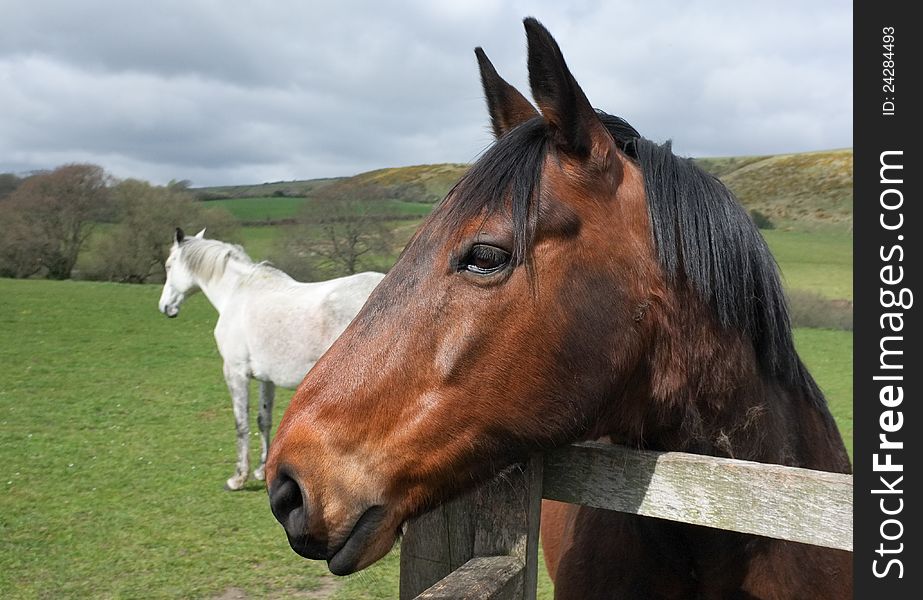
(179, 236)
(201, 234)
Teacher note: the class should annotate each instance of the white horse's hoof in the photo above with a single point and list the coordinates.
(260, 474)
(235, 483)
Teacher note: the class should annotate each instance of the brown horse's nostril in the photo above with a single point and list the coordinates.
(289, 507)
(287, 504)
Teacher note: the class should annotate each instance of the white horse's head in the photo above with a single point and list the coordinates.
(180, 281)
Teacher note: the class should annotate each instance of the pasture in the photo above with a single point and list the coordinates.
(820, 261)
(118, 436)
(268, 209)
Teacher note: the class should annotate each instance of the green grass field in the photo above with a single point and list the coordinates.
(828, 356)
(118, 436)
(261, 208)
(259, 241)
(818, 261)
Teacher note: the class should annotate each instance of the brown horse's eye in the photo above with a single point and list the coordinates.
(484, 260)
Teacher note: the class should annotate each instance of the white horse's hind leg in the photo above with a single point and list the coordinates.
(264, 420)
(239, 386)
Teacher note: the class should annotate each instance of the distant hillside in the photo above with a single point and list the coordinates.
(724, 165)
(801, 191)
(810, 188)
(263, 190)
(420, 183)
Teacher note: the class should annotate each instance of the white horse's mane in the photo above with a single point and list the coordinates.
(208, 259)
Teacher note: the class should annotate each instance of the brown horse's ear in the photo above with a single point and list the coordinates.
(576, 128)
(507, 107)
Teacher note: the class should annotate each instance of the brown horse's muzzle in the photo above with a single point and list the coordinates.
(329, 505)
(289, 506)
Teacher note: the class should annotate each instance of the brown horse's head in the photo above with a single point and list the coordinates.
(516, 319)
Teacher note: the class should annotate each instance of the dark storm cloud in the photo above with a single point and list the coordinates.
(225, 92)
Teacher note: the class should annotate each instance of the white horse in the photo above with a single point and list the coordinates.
(270, 327)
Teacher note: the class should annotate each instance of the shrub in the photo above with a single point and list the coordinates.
(760, 220)
(135, 249)
(8, 184)
(21, 250)
(810, 309)
(49, 217)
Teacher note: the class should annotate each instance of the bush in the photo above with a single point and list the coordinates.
(135, 249)
(8, 184)
(810, 309)
(48, 218)
(760, 220)
(206, 195)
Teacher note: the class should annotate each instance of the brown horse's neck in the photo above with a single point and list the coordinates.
(712, 396)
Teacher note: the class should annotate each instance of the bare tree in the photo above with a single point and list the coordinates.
(340, 231)
(52, 215)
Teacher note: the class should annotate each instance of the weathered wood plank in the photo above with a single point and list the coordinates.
(500, 518)
(508, 517)
(533, 495)
(481, 578)
(435, 544)
(787, 503)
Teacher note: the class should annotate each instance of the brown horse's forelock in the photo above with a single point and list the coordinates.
(507, 177)
(703, 236)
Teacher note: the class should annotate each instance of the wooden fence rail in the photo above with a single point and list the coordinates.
(485, 545)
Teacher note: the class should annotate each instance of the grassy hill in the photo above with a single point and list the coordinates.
(404, 192)
(802, 191)
(298, 188)
(420, 183)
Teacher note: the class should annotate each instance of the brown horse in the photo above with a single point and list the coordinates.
(579, 282)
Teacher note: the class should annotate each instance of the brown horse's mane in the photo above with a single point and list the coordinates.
(705, 240)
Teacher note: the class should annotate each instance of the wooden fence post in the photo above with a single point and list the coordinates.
(436, 544)
(499, 519)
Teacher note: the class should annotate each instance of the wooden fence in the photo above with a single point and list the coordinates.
(485, 545)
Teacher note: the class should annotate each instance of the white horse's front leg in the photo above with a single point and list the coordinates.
(264, 420)
(239, 386)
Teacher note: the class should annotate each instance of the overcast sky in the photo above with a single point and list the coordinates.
(228, 91)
